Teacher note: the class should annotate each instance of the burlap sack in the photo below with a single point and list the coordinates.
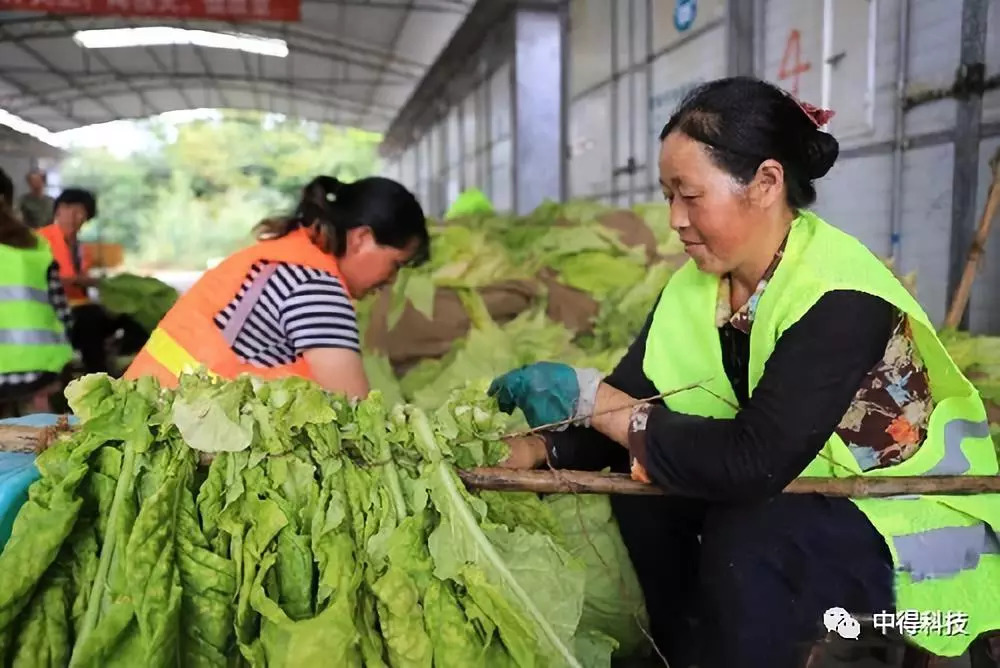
(631, 229)
(415, 337)
(573, 308)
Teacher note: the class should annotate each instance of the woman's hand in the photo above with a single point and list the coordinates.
(548, 392)
(526, 452)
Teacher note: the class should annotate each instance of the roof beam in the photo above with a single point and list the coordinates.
(139, 74)
(51, 104)
(44, 62)
(108, 85)
(394, 44)
(111, 68)
(351, 106)
(320, 44)
(166, 83)
(436, 7)
(166, 70)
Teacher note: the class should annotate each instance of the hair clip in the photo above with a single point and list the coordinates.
(819, 117)
(331, 197)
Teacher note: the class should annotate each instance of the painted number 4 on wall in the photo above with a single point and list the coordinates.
(684, 13)
(792, 66)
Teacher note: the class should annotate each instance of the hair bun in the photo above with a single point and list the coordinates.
(821, 151)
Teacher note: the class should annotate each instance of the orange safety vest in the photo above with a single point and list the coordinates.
(67, 268)
(187, 338)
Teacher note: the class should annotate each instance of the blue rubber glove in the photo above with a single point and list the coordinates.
(548, 392)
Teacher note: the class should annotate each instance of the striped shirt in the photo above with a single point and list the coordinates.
(299, 309)
(57, 297)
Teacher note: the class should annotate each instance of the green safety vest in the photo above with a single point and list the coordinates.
(945, 549)
(32, 338)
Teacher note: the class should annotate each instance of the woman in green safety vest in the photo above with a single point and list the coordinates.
(34, 315)
(806, 357)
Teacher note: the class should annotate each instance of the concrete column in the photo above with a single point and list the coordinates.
(740, 49)
(968, 119)
(538, 98)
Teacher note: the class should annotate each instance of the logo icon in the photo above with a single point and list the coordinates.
(842, 623)
(685, 12)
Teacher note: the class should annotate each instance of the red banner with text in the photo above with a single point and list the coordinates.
(224, 10)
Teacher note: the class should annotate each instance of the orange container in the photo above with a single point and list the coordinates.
(103, 255)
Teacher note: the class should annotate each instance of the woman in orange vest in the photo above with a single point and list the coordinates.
(71, 210)
(283, 307)
(93, 325)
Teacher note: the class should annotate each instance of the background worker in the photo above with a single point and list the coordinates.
(71, 210)
(34, 317)
(809, 359)
(35, 205)
(282, 307)
(93, 325)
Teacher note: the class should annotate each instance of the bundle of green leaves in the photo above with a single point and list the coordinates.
(322, 532)
(567, 240)
(144, 298)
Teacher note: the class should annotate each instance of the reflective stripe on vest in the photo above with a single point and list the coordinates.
(31, 337)
(954, 461)
(22, 293)
(172, 355)
(944, 552)
(945, 549)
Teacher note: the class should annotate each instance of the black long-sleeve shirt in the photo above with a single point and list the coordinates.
(808, 383)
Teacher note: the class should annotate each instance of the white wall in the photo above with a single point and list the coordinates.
(862, 37)
(627, 71)
(630, 66)
(471, 146)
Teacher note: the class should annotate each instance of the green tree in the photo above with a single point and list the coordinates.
(198, 192)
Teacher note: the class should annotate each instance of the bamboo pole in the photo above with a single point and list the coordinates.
(964, 289)
(18, 438)
(585, 482)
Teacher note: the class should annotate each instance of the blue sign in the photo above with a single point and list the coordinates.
(684, 14)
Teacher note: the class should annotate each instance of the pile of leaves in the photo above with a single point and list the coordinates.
(566, 241)
(143, 298)
(322, 532)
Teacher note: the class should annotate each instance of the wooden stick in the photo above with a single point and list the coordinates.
(961, 297)
(25, 438)
(585, 482)
(18, 438)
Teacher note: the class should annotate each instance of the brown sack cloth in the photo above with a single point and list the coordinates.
(415, 337)
(575, 308)
(631, 229)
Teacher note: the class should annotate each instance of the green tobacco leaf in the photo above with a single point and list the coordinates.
(613, 603)
(526, 578)
(210, 416)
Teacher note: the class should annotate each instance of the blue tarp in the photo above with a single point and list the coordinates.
(17, 472)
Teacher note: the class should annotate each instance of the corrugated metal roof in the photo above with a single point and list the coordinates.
(350, 62)
(14, 143)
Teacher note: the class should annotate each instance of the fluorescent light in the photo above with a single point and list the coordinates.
(113, 38)
(15, 122)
